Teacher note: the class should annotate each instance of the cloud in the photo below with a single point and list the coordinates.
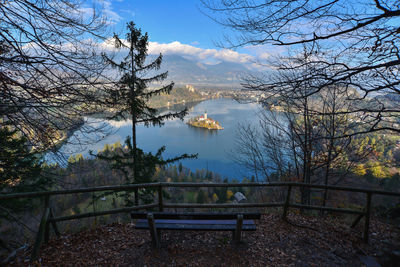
(86, 11)
(199, 54)
(203, 55)
(111, 15)
(105, 7)
(266, 52)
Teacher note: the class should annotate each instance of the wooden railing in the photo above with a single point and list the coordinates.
(48, 218)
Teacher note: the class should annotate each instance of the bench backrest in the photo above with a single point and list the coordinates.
(196, 215)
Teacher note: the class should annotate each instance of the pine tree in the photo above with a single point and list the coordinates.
(130, 97)
(132, 93)
(19, 169)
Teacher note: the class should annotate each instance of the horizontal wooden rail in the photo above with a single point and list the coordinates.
(276, 184)
(310, 207)
(100, 213)
(238, 205)
(79, 190)
(195, 185)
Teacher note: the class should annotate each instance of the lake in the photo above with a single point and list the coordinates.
(212, 146)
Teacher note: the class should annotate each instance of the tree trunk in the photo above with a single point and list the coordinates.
(327, 172)
(134, 146)
(306, 154)
(332, 129)
(133, 115)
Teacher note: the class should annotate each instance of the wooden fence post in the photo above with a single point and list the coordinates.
(54, 224)
(47, 225)
(367, 216)
(238, 231)
(285, 208)
(160, 199)
(153, 230)
(43, 230)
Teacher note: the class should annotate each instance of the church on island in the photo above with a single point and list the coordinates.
(204, 122)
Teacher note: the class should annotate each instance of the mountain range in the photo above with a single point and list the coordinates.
(223, 75)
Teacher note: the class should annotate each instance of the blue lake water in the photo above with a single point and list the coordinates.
(213, 147)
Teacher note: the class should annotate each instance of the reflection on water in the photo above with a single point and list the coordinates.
(212, 146)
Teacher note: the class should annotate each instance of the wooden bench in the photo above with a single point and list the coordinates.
(157, 221)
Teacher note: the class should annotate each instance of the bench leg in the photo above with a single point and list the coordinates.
(153, 230)
(238, 231)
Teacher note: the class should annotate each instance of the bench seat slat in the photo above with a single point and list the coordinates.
(196, 216)
(233, 222)
(217, 226)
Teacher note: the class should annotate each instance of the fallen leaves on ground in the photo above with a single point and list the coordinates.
(303, 241)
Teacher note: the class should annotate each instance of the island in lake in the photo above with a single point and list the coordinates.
(204, 122)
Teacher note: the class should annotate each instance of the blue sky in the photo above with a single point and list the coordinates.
(176, 27)
(171, 20)
(165, 20)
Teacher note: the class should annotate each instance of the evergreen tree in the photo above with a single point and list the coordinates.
(19, 169)
(132, 93)
(130, 97)
(146, 168)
